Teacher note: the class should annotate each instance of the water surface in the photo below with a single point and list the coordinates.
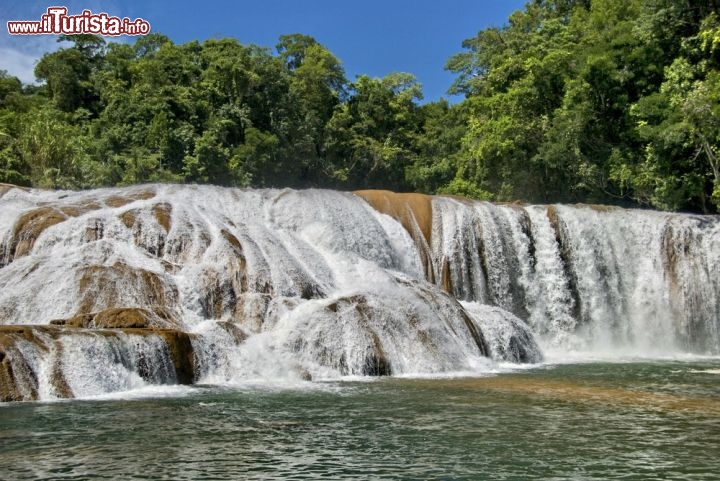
(638, 420)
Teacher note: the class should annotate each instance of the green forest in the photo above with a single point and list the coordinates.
(598, 101)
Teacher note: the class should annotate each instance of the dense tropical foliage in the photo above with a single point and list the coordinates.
(613, 101)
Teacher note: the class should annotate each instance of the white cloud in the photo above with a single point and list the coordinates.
(19, 54)
(18, 64)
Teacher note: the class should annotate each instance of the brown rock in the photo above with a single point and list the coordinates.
(162, 213)
(181, 350)
(76, 210)
(599, 207)
(29, 227)
(33, 223)
(566, 256)
(128, 217)
(18, 381)
(94, 230)
(234, 331)
(122, 318)
(121, 200)
(413, 211)
(99, 288)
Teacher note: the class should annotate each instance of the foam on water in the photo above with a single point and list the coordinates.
(149, 391)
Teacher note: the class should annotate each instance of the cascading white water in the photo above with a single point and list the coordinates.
(508, 337)
(118, 363)
(592, 278)
(282, 284)
(55, 363)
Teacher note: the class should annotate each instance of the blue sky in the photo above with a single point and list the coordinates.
(373, 37)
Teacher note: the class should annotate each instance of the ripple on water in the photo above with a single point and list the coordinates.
(590, 421)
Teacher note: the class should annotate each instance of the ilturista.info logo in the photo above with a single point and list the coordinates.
(56, 21)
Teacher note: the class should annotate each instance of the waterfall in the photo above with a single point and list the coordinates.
(115, 289)
(51, 363)
(589, 277)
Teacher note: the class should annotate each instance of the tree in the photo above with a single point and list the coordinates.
(437, 146)
(316, 86)
(67, 72)
(369, 141)
(571, 101)
(681, 125)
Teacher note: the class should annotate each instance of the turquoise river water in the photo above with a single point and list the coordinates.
(593, 420)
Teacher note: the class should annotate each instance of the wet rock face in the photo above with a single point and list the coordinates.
(566, 254)
(413, 211)
(18, 382)
(182, 354)
(33, 223)
(353, 348)
(29, 227)
(420, 330)
(32, 358)
(5, 188)
(99, 287)
(122, 318)
(508, 338)
(127, 281)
